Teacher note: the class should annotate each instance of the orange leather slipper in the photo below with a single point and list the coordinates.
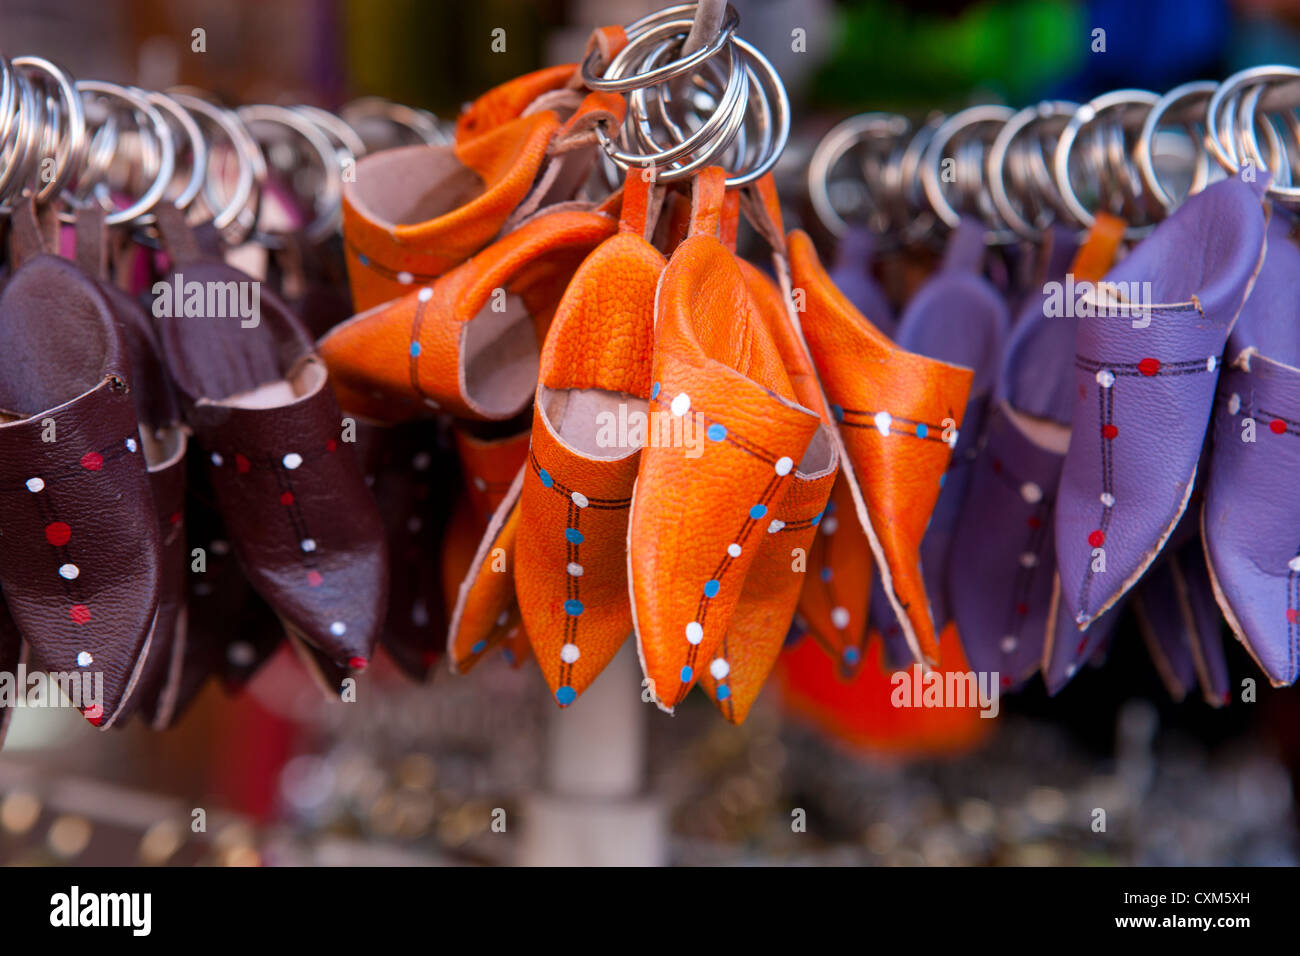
(702, 506)
(898, 413)
(489, 466)
(485, 611)
(467, 344)
(589, 424)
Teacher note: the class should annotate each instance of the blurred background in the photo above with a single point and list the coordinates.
(413, 774)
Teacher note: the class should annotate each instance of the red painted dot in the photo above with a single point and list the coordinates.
(286, 499)
(92, 461)
(1109, 431)
(1083, 642)
(1006, 680)
(331, 445)
(1292, 615)
(1277, 426)
(358, 663)
(242, 464)
(57, 533)
(1022, 608)
(314, 579)
(1149, 366)
(429, 658)
(997, 466)
(1097, 538)
(1034, 522)
(176, 517)
(94, 714)
(79, 613)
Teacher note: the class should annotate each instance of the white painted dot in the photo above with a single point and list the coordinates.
(428, 401)
(783, 465)
(419, 613)
(681, 405)
(1008, 644)
(405, 278)
(952, 438)
(217, 459)
(733, 549)
(219, 546)
(1107, 499)
(719, 668)
(241, 653)
(291, 460)
(480, 483)
(1105, 378)
(570, 653)
(425, 294)
(1031, 492)
(840, 617)
(775, 526)
(1070, 671)
(580, 499)
(422, 461)
(1294, 563)
(35, 484)
(830, 525)
(883, 421)
(1211, 363)
(503, 619)
(1234, 403)
(1029, 560)
(338, 628)
(131, 445)
(308, 544)
(574, 569)
(85, 659)
(694, 633)
(69, 571)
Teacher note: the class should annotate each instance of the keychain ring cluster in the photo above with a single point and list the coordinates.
(723, 104)
(1060, 162)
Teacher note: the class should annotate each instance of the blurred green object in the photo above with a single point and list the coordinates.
(890, 56)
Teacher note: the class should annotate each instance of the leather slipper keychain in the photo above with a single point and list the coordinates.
(697, 522)
(899, 416)
(81, 567)
(851, 272)
(300, 517)
(1002, 562)
(163, 443)
(1250, 527)
(571, 550)
(1145, 375)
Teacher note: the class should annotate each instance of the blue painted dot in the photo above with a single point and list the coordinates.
(838, 412)
(716, 432)
(817, 519)
(942, 479)
(479, 648)
(573, 608)
(364, 260)
(711, 588)
(573, 536)
(566, 695)
(851, 655)
(415, 349)
(826, 574)
(922, 430)
(510, 656)
(757, 511)
(724, 692)
(545, 475)
(687, 674)
(654, 390)
(830, 507)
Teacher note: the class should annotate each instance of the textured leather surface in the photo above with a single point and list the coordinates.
(81, 563)
(834, 599)
(851, 273)
(489, 466)
(697, 523)
(507, 102)
(415, 355)
(891, 406)
(1159, 605)
(571, 571)
(1144, 394)
(11, 655)
(489, 175)
(1066, 649)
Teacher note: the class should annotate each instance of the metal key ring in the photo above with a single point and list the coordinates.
(18, 168)
(931, 178)
(329, 205)
(1219, 135)
(348, 144)
(836, 144)
(418, 122)
(70, 152)
(1048, 111)
(198, 146)
(1184, 105)
(157, 126)
(1084, 116)
(650, 29)
(1251, 118)
(245, 196)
